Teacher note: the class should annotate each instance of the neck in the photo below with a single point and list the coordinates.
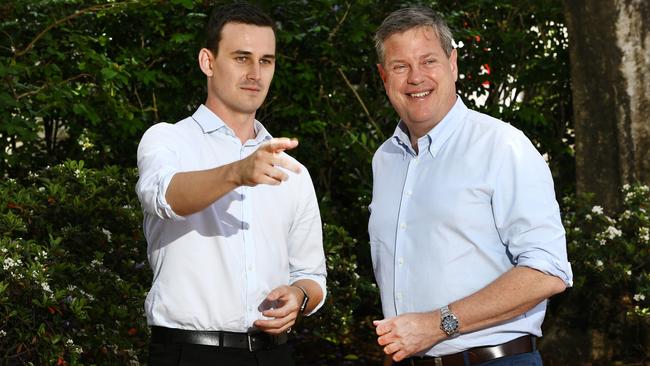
(242, 124)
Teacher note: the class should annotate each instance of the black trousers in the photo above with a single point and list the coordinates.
(198, 355)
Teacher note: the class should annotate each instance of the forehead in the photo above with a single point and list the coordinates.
(247, 37)
(414, 41)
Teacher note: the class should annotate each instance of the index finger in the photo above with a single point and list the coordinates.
(280, 144)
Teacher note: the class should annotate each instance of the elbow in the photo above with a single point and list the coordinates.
(556, 285)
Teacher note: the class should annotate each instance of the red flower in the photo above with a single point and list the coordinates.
(61, 362)
(132, 331)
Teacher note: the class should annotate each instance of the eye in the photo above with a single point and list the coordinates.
(266, 61)
(430, 61)
(399, 68)
(241, 59)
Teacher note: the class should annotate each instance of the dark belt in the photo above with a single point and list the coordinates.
(251, 341)
(476, 355)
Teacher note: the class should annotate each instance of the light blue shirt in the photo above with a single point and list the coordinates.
(213, 269)
(476, 201)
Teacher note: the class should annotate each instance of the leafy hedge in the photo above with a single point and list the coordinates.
(74, 274)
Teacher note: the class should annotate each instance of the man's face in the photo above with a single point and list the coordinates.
(242, 69)
(419, 78)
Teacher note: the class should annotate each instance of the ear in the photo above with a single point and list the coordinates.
(205, 61)
(453, 58)
(382, 73)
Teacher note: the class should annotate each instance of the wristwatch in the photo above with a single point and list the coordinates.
(448, 322)
(305, 300)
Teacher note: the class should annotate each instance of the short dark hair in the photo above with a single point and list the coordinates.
(239, 12)
(406, 19)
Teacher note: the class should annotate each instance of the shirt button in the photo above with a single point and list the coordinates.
(400, 261)
(399, 296)
(402, 226)
(250, 268)
(250, 308)
(409, 193)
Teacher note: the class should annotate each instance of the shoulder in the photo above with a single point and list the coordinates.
(164, 132)
(503, 134)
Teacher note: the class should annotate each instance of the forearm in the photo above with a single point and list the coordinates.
(509, 296)
(191, 192)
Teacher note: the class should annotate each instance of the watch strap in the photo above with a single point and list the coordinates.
(305, 299)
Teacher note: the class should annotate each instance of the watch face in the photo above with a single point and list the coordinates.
(449, 324)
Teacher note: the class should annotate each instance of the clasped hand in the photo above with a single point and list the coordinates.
(405, 335)
(282, 317)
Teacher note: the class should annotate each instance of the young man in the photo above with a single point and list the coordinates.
(232, 222)
(466, 237)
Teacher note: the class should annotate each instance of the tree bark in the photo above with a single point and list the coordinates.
(609, 48)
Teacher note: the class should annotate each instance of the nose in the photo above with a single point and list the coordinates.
(253, 71)
(415, 76)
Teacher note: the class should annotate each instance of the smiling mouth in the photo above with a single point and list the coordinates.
(419, 95)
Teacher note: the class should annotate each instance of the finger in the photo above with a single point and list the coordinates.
(277, 175)
(268, 325)
(391, 348)
(382, 327)
(385, 339)
(287, 163)
(399, 356)
(280, 144)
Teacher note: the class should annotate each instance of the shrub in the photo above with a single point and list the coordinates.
(610, 298)
(73, 278)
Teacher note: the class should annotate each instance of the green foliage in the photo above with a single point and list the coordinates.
(73, 276)
(338, 326)
(610, 255)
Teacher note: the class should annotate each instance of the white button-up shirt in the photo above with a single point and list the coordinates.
(477, 200)
(213, 269)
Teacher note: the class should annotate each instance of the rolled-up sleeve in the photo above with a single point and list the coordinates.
(526, 212)
(305, 243)
(157, 164)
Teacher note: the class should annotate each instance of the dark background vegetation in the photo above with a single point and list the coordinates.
(82, 80)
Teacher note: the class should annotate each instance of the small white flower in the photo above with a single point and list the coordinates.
(588, 217)
(95, 263)
(639, 297)
(644, 234)
(69, 342)
(628, 272)
(2, 333)
(613, 232)
(597, 210)
(599, 263)
(626, 187)
(626, 215)
(108, 234)
(46, 287)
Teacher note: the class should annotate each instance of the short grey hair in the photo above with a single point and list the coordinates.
(406, 19)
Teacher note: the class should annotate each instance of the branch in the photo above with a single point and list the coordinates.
(336, 29)
(26, 94)
(63, 20)
(363, 105)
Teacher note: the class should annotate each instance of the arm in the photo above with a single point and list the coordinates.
(191, 192)
(509, 296)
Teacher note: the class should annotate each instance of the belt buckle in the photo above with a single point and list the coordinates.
(437, 361)
(250, 342)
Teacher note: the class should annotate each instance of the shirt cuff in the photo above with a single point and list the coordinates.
(163, 209)
(550, 266)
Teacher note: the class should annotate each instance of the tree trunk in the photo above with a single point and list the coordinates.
(609, 47)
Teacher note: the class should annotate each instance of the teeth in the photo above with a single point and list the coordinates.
(420, 95)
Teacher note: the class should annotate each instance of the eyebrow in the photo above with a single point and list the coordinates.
(248, 53)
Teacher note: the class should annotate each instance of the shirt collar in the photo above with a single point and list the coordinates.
(210, 122)
(437, 136)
